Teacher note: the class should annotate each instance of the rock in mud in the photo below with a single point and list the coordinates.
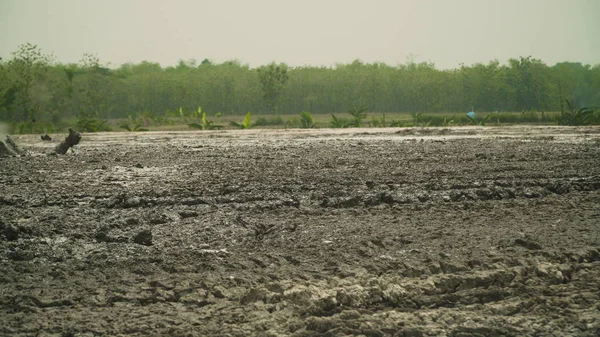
(132, 201)
(143, 238)
(11, 233)
(188, 214)
(102, 235)
(550, 272)
(255, 295)
(529, 244)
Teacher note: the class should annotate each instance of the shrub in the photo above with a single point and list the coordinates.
(133, 125)
(306, 120)
(264, 121)
(206, 124)
(292, 123)
(89, 124)
(339, 122)
(378, 122)
(358, 114)
(581, 116)
(246, 124)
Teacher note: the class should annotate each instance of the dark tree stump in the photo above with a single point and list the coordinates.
(5, 151)
(11, 145)
(72, 139)
(9, 149)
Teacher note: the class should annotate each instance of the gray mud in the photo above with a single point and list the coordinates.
(390, 232)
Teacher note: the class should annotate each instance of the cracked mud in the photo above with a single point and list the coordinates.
(412, 232)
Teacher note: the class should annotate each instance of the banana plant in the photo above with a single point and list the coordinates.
(246, 124)
(358, 114)
(132, 125)
(206, 124)
(581, 116)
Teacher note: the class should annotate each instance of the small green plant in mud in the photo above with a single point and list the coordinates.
(420, 120)
(264, 121)
(159, 119)
(292, 123)
(581, 116)
(246, 124)
(133, 125)
(358, 115)
(482, 122)
(205, 123)
(306, 120)
(186, 115)
(379, 122)
(171, 117)
(92, 124)
(400, 124)
(339, 122)
(417, 118)
(447, 122)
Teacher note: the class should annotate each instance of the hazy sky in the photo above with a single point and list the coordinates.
(305, 32)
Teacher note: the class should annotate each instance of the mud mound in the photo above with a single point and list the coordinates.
(304, 234)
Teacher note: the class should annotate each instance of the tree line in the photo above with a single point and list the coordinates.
(35, 87)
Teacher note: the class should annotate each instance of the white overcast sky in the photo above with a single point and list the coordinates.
(305, 32)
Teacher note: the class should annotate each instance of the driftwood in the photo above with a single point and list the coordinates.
(13, 146)
(72, 139)
(5, 151)
(11, 149)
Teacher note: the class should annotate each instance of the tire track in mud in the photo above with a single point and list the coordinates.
(304, 236)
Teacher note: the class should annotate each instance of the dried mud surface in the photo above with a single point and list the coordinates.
(390, 232)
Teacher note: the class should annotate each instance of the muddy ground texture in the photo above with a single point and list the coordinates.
(391, 232)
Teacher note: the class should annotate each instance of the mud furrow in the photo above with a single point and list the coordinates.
(450, 232)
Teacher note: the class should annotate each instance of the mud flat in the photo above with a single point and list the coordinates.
(367, 232)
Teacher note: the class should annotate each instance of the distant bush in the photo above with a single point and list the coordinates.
(358, 115)
(31, 127)
(306, 120)
(517, 118)
(264, 121)
(440, 120)
(292, 123)
(378, 122)
(491, 118)
(86, 124)
(133, 125)
(581, 116)
(339, 122)
(205, 123)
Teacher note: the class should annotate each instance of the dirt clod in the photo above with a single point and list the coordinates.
(143, 238)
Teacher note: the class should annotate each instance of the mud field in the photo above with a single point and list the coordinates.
(374, 232)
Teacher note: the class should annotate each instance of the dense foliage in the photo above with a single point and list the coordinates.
(34, 87)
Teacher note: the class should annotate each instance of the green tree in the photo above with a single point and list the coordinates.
(273, 78)
(95, 88)
(530, 79)
(8, 92)
(306, 120)
(28, 65)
